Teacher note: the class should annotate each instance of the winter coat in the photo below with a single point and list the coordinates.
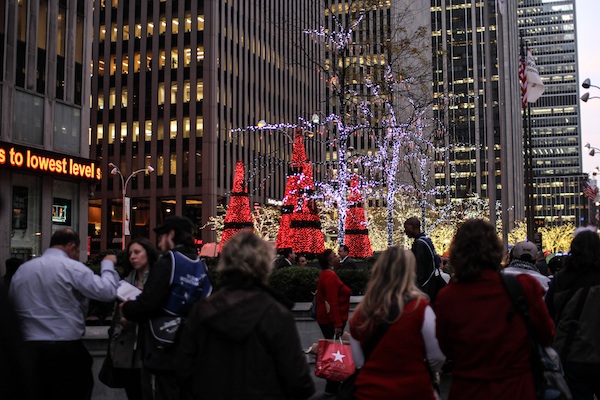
(242, 343)
(563, 296)
(332, 290)
(489, 343)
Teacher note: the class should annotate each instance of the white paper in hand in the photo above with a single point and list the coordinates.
(126, 291)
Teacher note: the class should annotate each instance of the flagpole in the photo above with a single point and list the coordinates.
(528, 157)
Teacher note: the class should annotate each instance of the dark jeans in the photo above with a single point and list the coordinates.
(328, 331)
(59, 370)
(583, 380)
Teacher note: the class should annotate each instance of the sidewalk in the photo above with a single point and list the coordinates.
(320, 385)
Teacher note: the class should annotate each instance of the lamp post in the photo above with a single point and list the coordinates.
(126, 200)
(592, 149)
(586, 85)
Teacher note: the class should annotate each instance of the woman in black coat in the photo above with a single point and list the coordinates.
(242, 342)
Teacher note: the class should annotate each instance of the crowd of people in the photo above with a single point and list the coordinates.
(179, 340)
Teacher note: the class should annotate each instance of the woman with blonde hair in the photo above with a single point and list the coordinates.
(242, 341)
(401, 363)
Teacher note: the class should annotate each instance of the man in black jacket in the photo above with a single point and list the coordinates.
(345, 261)
(175, 282)
(427, 259)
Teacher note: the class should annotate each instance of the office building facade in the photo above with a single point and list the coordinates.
(175, 84)
(477, 102)
(548, 29)
(45, 174)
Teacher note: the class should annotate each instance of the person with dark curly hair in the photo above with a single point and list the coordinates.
(573, 300)
(477, 327)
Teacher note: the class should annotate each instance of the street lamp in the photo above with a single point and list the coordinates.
(592, 149)
(126, 200)
(586, 85)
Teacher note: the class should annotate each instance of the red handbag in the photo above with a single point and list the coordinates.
(334, 360)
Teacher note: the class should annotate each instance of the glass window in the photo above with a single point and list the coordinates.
(175, 26)
(28, 118)
(186, 127)
(174, 58)
(173, 164)
(123, 135)
(173, 94)
(161, 93)
(100, 102)
(65, 205)
(188, 22)
(148, 130)
(136, 131)
(200, 23)
(173, 129)
(25, 242)
(199, 126)
(112, 98)
(67, 123)
(111, 133)
(162, 25)
(200, 53)
(199, 90)
(100, 134)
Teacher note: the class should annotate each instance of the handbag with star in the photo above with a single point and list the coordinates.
(334, 360)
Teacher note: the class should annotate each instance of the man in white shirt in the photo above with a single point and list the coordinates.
(50, 295)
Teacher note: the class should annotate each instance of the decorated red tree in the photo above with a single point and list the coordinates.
(356, 233)
(238, 215)
(290, 198)
(306, 224)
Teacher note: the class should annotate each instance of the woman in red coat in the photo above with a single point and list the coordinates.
(396, 368)
(477, 327)
(333, 303)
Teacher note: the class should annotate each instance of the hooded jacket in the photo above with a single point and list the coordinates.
(242, 343)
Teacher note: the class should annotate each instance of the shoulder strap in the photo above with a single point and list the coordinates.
(517, 297)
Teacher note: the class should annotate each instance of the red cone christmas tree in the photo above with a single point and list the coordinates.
(306, 224)
(238, 215)
(357, 234)
(290, 198)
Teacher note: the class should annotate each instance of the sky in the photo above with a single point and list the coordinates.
(588, 51)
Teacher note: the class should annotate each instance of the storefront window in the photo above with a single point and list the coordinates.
(25, 241)
(65, 205)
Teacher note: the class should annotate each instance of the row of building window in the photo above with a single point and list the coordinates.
(175, 60)
(114, 135)
(162, 94)
(150, 28)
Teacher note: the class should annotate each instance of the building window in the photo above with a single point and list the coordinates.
(28, 118)
(25, 241)
(67, 123)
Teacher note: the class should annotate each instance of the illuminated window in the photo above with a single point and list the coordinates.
(174, 59)
(199, 126)
(100, 102)
(173, 164)
(173, 94)
(188, 22)
(173, 129)
(112, 99)
(123, 131)
(150, 29)
(111, 133)
(148, 130)
(200, 53)
(199, 90)
(99, 133)
(186, 127)
(161, 93)
(162, 28)
(200, 23)
(136, 131)
(175, 26)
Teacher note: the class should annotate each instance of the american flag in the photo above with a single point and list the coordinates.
(590, 191)
(523, 77)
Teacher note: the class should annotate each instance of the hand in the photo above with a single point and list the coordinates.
(110, 257)
(338, 332)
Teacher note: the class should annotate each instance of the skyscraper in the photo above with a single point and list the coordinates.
(548, 30)
(172, 80)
